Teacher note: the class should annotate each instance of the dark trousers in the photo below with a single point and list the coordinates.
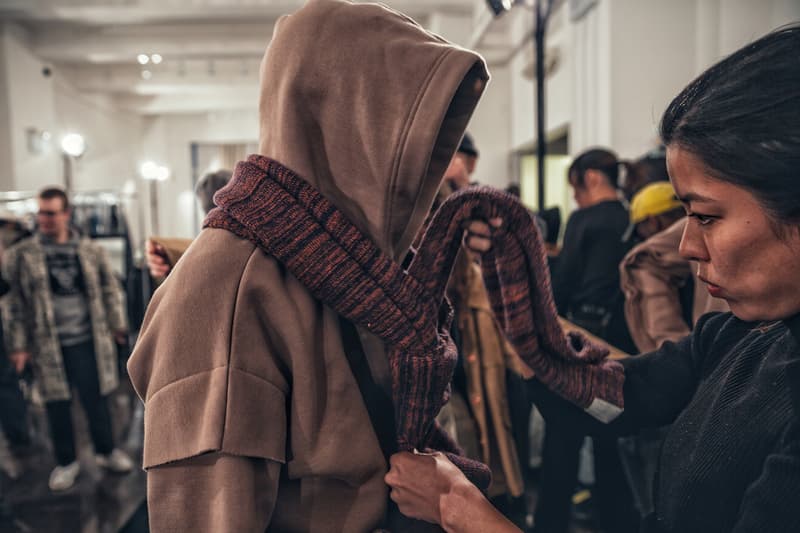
(612, 499)
(80, 364)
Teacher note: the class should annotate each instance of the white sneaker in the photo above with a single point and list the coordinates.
(117, 461)
(63, 477)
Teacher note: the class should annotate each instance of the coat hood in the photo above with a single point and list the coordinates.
(369, 108)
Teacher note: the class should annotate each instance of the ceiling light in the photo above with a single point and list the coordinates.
(146, 74)
(499, 6)
(73, 144)
(143, 59)
(156, 58)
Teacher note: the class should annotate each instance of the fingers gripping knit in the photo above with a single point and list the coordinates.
(518, 282)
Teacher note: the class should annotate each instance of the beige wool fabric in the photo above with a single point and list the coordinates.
(253, 420)
(650, 275)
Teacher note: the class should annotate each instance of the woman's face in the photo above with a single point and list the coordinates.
(737, 250)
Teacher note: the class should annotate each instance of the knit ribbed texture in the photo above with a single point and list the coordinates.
(732, 458)
(291, 221)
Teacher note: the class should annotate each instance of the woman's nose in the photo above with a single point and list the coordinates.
(692, 245)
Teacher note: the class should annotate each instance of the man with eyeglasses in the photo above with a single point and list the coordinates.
(63, 313)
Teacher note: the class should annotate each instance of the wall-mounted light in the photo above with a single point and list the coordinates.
(150, 170)
(73, 144)
(499, 6)
(143, 59)
(38, 140)
(156, 59)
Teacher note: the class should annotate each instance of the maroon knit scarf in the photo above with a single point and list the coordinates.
(288, 219)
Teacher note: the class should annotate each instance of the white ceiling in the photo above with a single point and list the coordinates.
(211, 49)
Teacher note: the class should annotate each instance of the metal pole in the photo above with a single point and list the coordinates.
(68, 181)
(153, 207)
(541, 142)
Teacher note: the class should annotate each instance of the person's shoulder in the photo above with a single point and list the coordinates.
(605, 210)
(22, 246)
(717, 321)
(717, 332)
(580, 216)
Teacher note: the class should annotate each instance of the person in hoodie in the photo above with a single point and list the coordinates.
(253, 417)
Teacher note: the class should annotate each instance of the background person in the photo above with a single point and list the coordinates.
(587, 292)
(63, 313)
(162, 253)
(663, 296)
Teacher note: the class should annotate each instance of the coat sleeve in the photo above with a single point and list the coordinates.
(15, 307)
(212, 492)
(215, 397)
(113, 296)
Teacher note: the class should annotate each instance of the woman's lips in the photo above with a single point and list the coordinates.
(714, 290)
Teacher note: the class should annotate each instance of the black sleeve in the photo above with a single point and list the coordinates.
(569, 267)
(658, 386)
(772, 501)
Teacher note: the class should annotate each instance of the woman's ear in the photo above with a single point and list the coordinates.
(592, 178)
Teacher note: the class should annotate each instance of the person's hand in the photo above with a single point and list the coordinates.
(121, 336)
(19, 360)
(427, 486)
(478, 234)
(156, 260)
(419, 482)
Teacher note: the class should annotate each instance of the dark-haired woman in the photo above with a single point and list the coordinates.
(731, 390)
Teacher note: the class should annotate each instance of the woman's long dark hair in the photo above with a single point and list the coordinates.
(741, 118)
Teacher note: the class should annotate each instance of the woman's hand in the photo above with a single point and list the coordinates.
(429, 487)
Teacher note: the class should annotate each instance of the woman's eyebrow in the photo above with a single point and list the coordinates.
(694, 197)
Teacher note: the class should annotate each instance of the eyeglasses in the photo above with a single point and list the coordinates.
(48, 213)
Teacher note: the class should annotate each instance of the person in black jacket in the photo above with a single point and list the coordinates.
(730, 390)
(587, 292)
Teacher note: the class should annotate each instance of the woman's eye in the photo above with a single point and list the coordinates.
(703, 220)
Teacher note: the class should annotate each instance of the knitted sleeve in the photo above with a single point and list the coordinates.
(658, 385)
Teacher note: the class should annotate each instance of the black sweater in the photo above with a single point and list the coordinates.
(731, 459)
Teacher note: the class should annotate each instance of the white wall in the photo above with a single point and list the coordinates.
(31, 100)
(113, 137)
(489, 129)
(28, 104)
(652, 59)
(167, 140)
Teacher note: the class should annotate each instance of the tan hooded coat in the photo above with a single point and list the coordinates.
(253, 419)
(651, 275)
